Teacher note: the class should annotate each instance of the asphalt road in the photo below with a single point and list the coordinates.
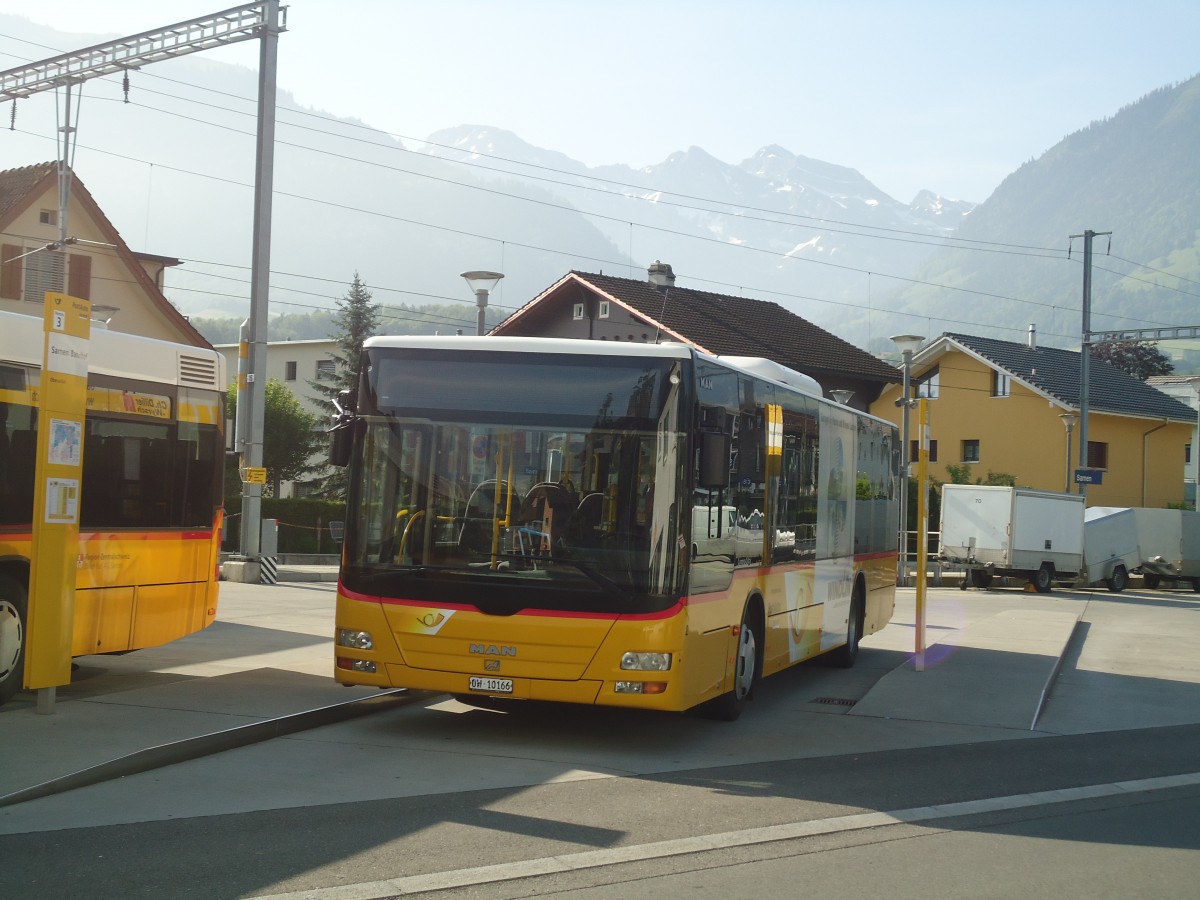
(797, 797)
(1129, 841)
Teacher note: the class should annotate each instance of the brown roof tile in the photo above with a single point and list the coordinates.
(742, 326)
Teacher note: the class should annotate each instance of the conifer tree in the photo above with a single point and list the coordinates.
(357, 319)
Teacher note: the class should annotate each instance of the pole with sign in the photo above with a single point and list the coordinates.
(922, 528)
(62, 404)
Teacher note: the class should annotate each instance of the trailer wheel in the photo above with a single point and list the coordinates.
(981, 578)
(1118, 581)
(1043, 578)
(1151, 581)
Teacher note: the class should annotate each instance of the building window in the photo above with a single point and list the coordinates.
(44, 271)
(577, 315)
(603, 313)
(929, 384)
(306, 488)
(1187, 454)
(1097, 455)
(970, 451)
(326, 370)
(289, 370)
(914, 451)
(48, 217)
(1001, 386)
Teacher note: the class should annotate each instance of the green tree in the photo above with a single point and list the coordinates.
(356, 320)
(291, 436)
(1141, 359)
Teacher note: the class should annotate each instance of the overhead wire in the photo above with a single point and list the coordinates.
(1043, 252)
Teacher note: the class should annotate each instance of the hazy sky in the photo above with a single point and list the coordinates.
(950, 96)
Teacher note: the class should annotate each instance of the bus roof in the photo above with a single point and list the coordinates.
(751, 365)
(119, 354)
(581, 346)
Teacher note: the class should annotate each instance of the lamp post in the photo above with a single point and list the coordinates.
(907, 344)
(481, 284)
(841, 395)
(1069, 419)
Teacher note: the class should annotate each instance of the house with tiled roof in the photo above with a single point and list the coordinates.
(608, 308)
(1004, 407)
(93, 262)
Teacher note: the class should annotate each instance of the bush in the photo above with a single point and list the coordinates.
(303, 523)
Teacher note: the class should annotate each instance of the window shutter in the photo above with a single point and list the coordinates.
(79, 275)
(11, 272)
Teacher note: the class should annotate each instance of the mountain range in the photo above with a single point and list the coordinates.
(174, 170)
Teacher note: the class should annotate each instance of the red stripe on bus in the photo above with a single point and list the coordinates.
(668, 613)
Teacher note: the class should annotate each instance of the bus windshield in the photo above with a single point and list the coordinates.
(518, 480)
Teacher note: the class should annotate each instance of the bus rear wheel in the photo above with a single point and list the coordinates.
(13, 616)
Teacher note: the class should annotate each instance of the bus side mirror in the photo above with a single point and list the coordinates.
(714, 460)
(341, 435)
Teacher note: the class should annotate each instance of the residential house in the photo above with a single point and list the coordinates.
(998, 406)
(608, 308)
(94, 262)
(296, 364)
(1184, 388)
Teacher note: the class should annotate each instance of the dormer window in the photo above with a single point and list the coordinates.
(1001, 385)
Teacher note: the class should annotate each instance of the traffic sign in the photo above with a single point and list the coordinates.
(1089, 476)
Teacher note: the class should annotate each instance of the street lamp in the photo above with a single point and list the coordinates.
(481, 284)
(1069, 419)
(907, 344)
(841, 395)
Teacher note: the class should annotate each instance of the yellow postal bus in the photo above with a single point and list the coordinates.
(632, 525)
(151, 497)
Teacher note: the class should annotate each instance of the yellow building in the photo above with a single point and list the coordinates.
(998, 407)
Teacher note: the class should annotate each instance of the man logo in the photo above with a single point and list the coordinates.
(492, 650)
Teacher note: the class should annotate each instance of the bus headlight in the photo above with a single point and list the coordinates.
(359, 640)
(646, 662)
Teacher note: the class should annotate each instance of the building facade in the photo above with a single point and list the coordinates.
(999, 407)
(93, 262)
(296, 364)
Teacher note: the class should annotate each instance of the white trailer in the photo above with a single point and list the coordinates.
(996, 530)
(1169, 541)
(1111, 547)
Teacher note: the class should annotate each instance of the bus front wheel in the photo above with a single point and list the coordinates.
(746, 668)
(844, 657)
(13, 615)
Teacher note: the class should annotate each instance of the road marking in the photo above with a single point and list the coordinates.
(590, 859)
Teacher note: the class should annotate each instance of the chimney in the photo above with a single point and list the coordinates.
(1032, 337)
(661, 275)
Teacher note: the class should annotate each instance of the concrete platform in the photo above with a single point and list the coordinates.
(999, 664)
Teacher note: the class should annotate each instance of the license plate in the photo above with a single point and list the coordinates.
(492, 685)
